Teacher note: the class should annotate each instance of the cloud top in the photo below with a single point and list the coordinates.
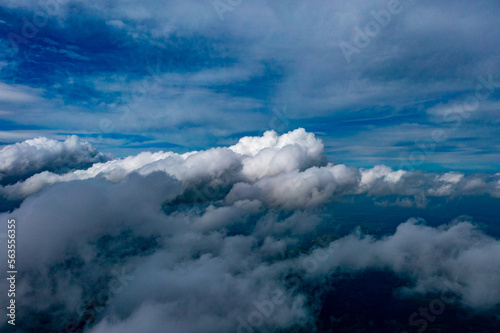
(22, 160)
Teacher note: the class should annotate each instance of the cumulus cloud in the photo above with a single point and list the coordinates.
(382, 180)
(295, 189)
(249, 160)
(22, 160)
(265, 168)
(272, 154)
(206, 241)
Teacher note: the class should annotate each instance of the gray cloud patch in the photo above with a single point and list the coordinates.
(457, 254)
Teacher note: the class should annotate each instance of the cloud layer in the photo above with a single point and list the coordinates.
(288, 171)
(206, 241)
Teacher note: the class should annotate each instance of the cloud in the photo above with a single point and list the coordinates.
(173, 259)
(382, 180)
(18, 94)
(295, 150)
(288, 171)
(203, 241)
(272, 154)
(457, 256)
(206, 241)
(22, 160)
(293, 190)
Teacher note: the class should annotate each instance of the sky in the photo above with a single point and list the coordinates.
(250, 166)
(374, 80)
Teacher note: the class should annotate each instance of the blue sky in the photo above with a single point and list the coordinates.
(422, 85)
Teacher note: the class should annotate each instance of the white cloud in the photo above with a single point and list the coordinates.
(21, 160)
(18, 94)
(294, 189)
(287, 171)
